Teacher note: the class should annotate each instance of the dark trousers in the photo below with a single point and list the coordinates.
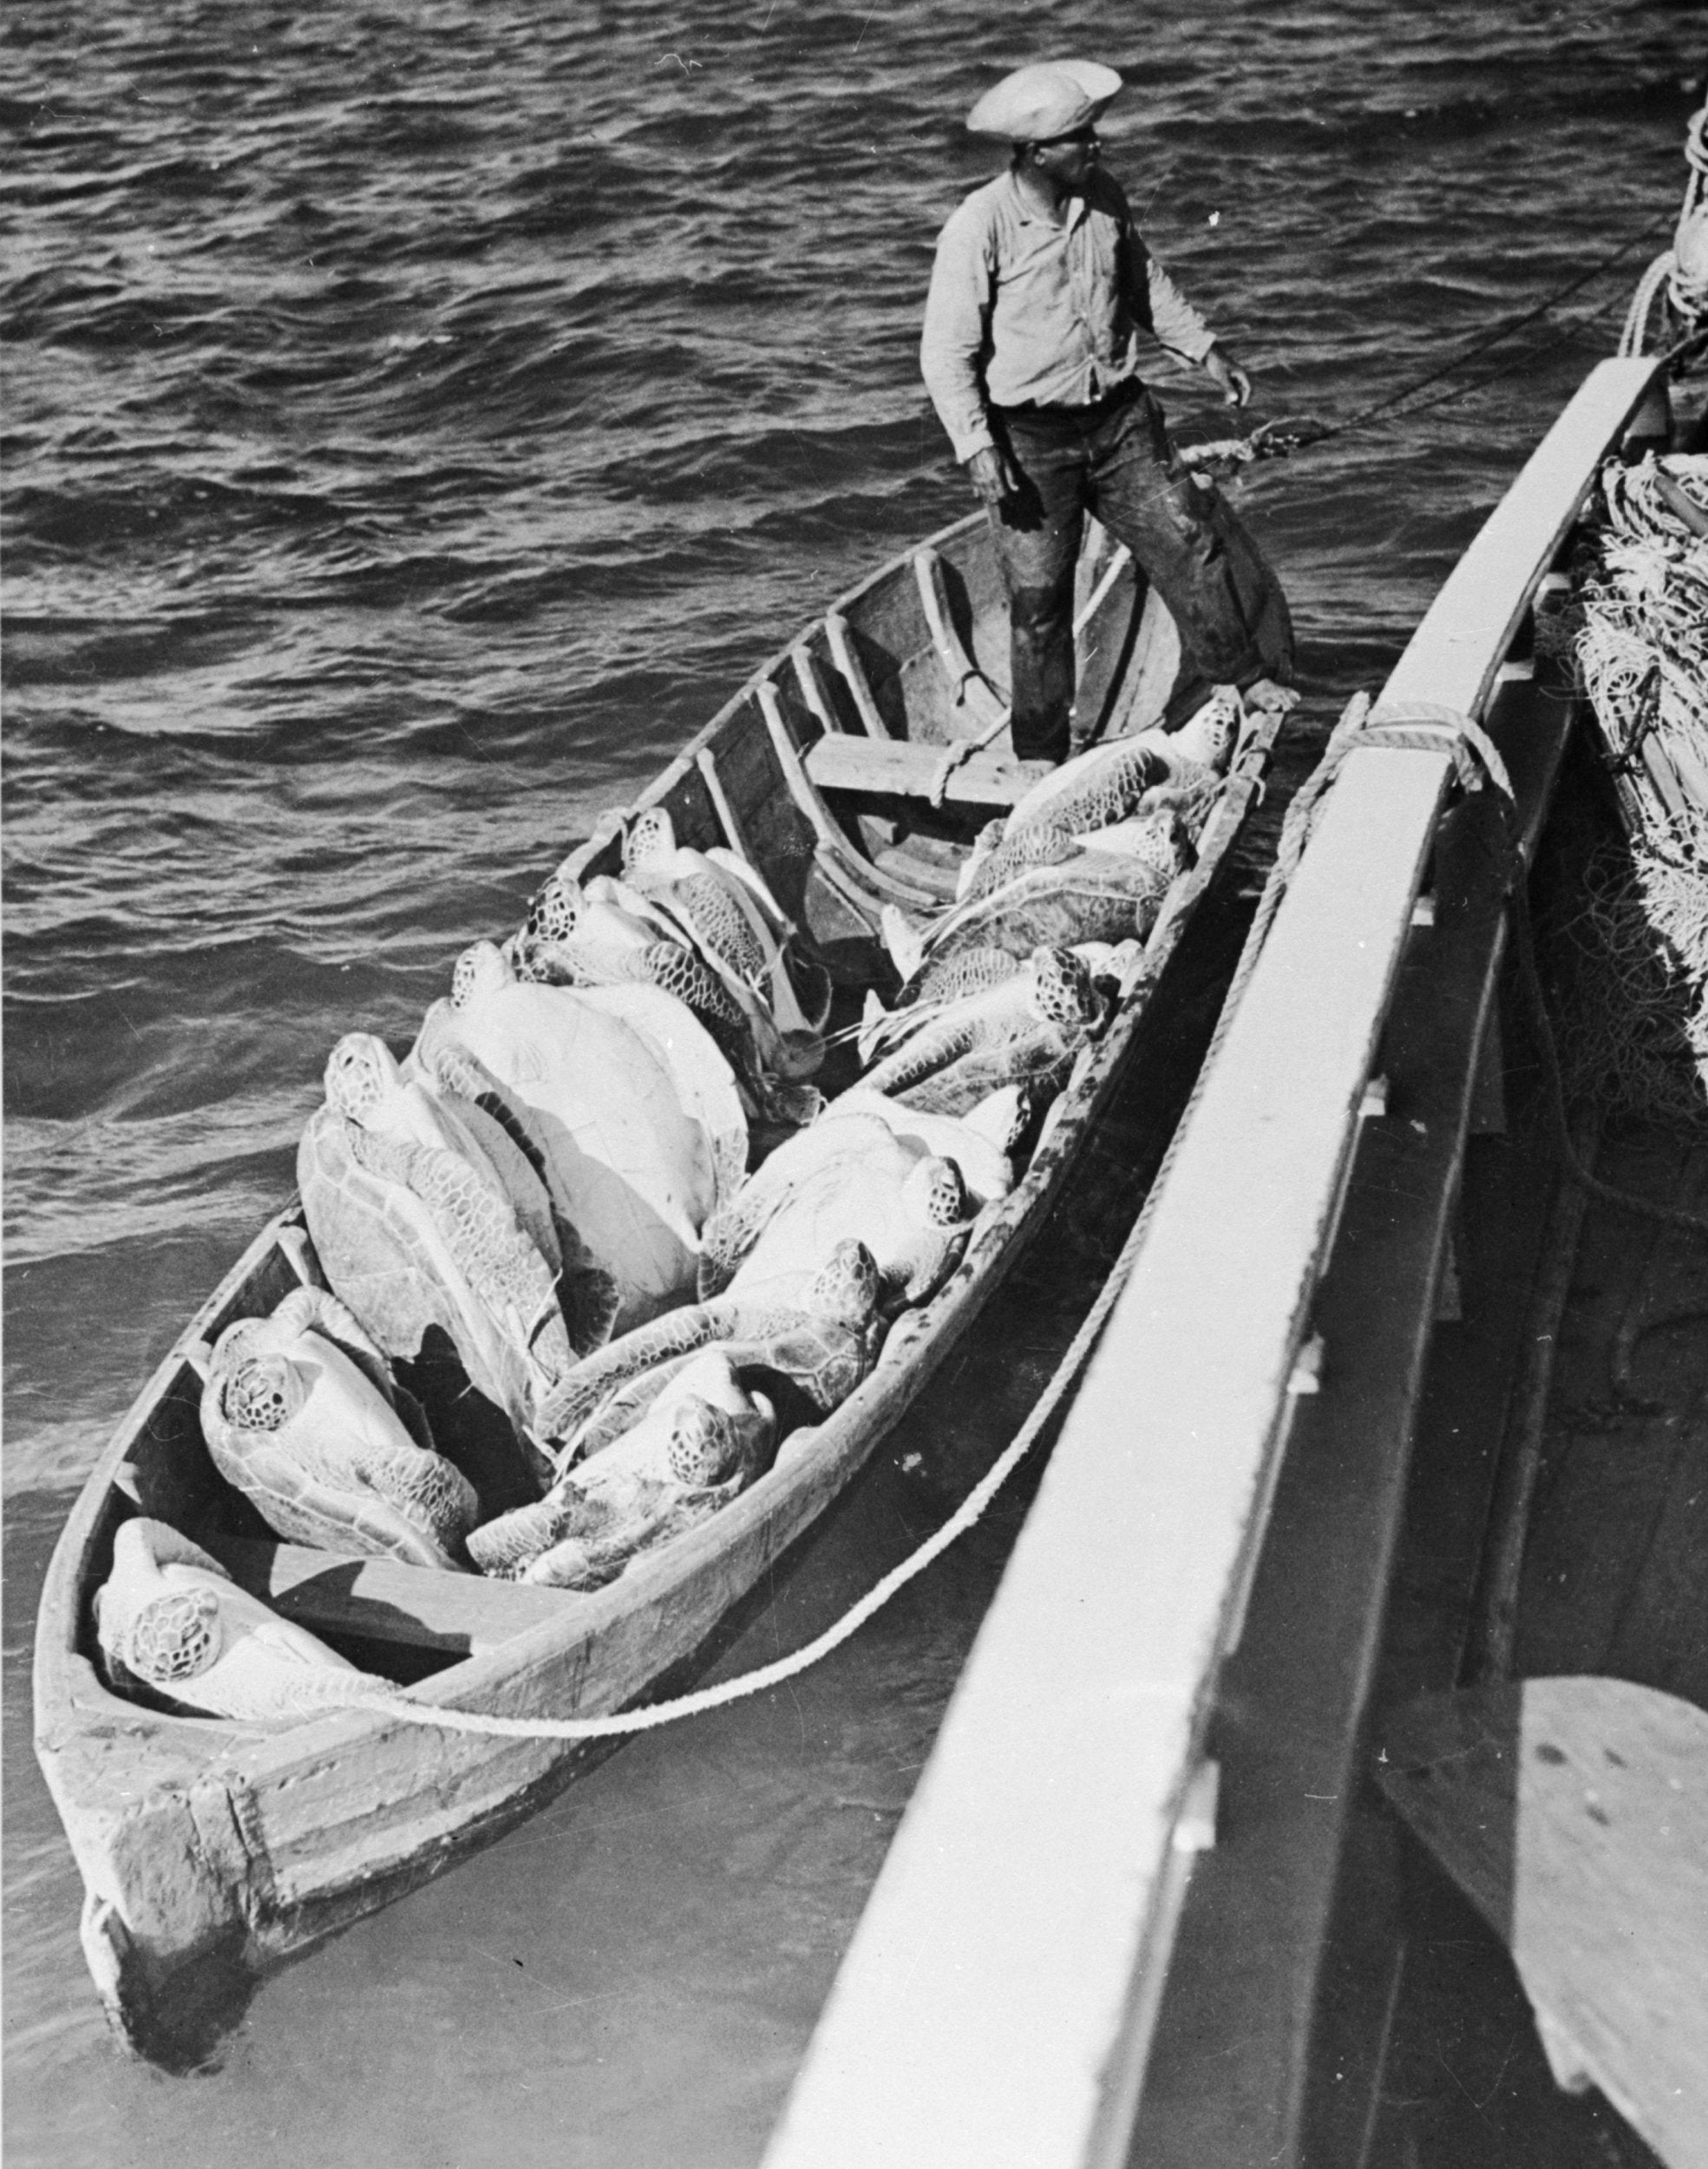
(1113, 460)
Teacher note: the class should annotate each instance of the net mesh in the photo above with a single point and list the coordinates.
(1635, 951)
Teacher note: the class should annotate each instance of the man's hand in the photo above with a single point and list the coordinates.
(1236, 386)
(993, 475)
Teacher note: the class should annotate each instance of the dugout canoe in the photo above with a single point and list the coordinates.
(211, 1849)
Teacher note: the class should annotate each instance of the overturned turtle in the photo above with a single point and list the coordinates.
(1094, 895)
(850, 1176)
(492, 1125)
(640, 1170)
(171, 1619)
(702, 1440)
(980, 1143)
(299, 1412)
(1111, 782)
(821, 1343)
(732, 917)
(414, 1233)
(1024, 1031)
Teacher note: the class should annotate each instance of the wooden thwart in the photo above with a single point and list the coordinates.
(1573, 1814)
(899, 770)
(384, 1600)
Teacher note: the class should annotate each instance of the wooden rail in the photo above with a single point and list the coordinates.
(997, 2000)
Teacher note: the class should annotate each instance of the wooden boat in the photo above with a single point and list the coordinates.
(853, 770)
(1291, 1496)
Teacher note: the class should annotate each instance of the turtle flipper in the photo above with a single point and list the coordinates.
(582, 1391)
(1038, 843)
(942, 1040)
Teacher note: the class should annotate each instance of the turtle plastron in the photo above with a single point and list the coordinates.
(298, 1413)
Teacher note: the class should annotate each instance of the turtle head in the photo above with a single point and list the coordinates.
(480, 969)
(706, 1444)
(1063, 990)
(528, 960)
(937, 1194)
(651, 840)
(175, 1637)
(846, 1289)
(360, 1072)
(263, 1393)
(557, 911)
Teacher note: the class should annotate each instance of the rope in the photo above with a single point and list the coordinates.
(1529, 979)
(1505, 332)
(1634, 336)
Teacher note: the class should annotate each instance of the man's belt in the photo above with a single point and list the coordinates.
(1129, 389)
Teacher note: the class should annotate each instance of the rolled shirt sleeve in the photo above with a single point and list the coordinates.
(1174, 322)
(956, 344)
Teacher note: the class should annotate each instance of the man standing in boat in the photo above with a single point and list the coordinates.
(1042, 288)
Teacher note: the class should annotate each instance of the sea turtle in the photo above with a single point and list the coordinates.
(484, 1120)
(572, 939)
(789, 1054)
(734, 919)
(299, 1412)
(705, 1084)
(849, 1175)
(1096, 895)
(639, 1169)
(979, 1141)
(1156, 835)
(623, 947)
(1024, 1031)
(170, 1618)
(414, 1233)
(1109, 782)
(822, 1343)
(701, 1441)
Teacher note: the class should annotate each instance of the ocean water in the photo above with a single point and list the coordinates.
(416, 419)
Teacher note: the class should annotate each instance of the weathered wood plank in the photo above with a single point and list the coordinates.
(893, 769)
(384, 1599)
(1453, 656)
(1248, 1968)
(1573, 1814)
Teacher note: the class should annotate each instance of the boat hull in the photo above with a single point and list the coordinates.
(211, 1851)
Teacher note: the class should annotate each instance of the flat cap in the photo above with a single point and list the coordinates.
(1051, 97)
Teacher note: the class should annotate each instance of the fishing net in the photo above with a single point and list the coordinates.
(1636, 1024)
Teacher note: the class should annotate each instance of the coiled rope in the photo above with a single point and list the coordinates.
(1683, 268)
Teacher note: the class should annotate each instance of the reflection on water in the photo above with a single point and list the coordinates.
(418, 421)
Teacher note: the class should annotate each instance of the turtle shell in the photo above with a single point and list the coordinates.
(298, 1414)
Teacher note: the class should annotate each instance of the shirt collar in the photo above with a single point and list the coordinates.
(1077, 205)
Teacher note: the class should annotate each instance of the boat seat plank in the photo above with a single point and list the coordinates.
(863, 886)
(893, 769)
(384, 1600)
(1573, 1814)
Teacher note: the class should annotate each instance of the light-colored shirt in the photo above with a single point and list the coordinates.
(1023, 310)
